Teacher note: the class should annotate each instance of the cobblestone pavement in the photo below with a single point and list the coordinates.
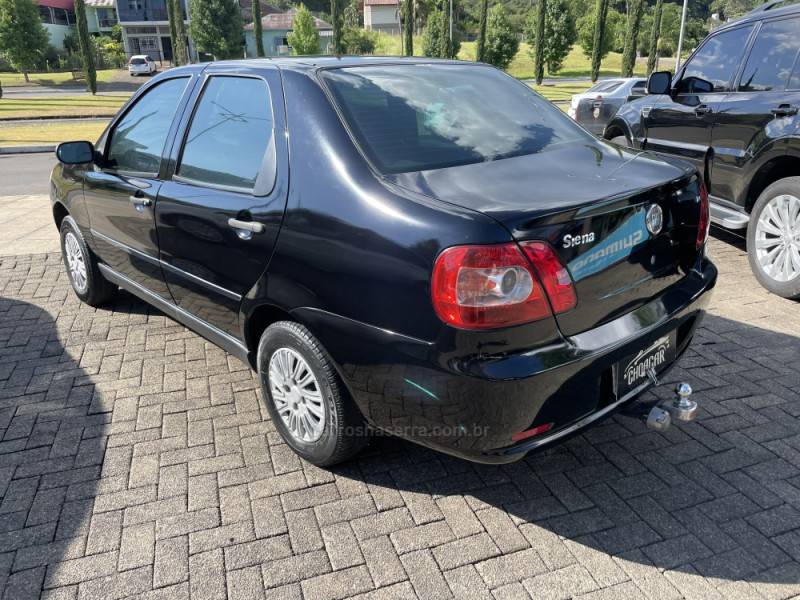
(136, 459)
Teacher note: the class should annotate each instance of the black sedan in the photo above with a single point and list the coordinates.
(426, 248)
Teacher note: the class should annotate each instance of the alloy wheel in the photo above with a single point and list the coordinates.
(778, 238)
(75, 262)
(297, 395)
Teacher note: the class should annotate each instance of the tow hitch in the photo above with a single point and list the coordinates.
(682, 408)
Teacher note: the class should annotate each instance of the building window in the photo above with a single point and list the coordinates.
(46, 14)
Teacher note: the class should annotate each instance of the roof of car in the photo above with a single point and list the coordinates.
(775, 8)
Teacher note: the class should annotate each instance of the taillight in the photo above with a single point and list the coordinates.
(553, 275)
(485, 287)
(704, 222)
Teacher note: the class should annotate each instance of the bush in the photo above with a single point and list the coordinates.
(359, 41)
(501, 41)
(304, 38)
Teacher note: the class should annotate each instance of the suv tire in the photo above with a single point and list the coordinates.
(770, 236)
(305, 397)
(85, 277)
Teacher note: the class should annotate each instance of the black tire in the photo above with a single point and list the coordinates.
(344, 431)
(94, 290)
(786, 289)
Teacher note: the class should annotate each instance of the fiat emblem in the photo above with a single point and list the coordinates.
(654, 219)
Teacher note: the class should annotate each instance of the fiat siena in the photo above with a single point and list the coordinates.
(426, 248)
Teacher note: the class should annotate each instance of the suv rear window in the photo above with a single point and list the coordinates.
(420, 117)
(138, 61)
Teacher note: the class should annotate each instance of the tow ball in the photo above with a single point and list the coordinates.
(682, 408)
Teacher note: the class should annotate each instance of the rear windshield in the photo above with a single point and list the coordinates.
(421, 117)
(605, 86)
(138, 61)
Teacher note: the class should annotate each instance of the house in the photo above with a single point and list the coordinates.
(382, 15)
(101, 16)
(145, 28)
(275, 31)
(58, 18)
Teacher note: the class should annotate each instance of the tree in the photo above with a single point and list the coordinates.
(87, 47)
(23, 38)
(304, 38)
(216, 28)
(257, 28)
(501, 41)
(408, 27)
(179, 50)
(351, 16)
(652, 54)
(480, 52)
(557, 33)
(537, 30)
(436, 36)
(173, 32)
(635, 10)
(601, 41)
(336, 22)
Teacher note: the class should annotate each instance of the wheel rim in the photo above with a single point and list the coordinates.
(778, 238)
(297, 395)
(75, 262)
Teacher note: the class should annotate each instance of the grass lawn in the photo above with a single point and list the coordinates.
(53, 79)
(46, 133)
(60, 106)
(562, 91)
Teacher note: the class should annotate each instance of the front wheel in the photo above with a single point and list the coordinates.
(773, 238)
(305, 398)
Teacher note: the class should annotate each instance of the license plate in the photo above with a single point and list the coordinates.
(635, 369)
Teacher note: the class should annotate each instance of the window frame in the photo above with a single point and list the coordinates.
(261, 188)
(108, 137)
(733, 81)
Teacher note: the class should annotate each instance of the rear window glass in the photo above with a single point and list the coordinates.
(138, 61)
(420, 117)
(605, 86)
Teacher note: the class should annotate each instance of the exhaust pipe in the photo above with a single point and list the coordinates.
(682, 408)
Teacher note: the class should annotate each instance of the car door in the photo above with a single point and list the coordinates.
(680, 123)
(121, 188)
(219, 214)
(760, 110)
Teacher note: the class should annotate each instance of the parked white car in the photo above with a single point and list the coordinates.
(142, 63)
(596, 106)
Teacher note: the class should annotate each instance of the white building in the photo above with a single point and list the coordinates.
(382, 15)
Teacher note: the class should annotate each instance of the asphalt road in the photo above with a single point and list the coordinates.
(25, 173)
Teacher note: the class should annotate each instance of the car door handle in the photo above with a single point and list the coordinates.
(784, 110)
(140, 202)
(245, 229)
(702, 110)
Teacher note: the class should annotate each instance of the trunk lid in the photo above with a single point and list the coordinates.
(591, 204)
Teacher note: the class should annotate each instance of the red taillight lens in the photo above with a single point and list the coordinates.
(553, 275)
(485, 287)
(704, 223)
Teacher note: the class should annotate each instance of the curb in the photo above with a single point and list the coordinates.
(26, 149)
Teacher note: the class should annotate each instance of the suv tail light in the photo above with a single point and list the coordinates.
(704, 223)
(485, 287)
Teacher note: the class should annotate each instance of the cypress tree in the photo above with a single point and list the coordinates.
(179, 45)
(538, 48)
(656, 33)
(601, 11)
(632, 37)
(173, 33)
(336, 18)
(87, 48)
(257, 28)
(480, 53)
(408, 32)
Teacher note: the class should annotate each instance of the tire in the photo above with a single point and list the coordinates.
(318, 420)
(81, 264)
(766, 249)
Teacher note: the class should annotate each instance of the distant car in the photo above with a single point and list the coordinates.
(142, 64)
(597, 106)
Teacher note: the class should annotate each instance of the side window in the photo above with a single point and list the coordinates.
(772, 57)
(137, 141)
(715, 62)
(230, 139)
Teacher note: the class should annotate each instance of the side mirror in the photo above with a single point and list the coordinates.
(659, 82)
(75, 153)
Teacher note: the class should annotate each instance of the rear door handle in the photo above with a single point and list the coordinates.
(140, 202)
(245, 229)
(784, 110)
(702, 110)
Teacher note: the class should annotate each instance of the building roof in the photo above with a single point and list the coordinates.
(65, 4)
(381, 2)
(247, 9)
(281, 21)
(101, 3)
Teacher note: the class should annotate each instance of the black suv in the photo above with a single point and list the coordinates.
(732, 109)
(424, 247)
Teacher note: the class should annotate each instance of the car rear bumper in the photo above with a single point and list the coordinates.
(472, 406)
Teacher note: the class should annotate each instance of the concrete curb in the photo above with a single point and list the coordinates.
(26, 149)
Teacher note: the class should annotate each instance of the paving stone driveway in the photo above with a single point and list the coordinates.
(136, 459)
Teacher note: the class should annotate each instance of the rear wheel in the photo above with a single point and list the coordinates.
(87, 281)
(305, 398)
(773, 238)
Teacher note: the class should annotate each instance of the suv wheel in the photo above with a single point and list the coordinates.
(773, 238)
(305, 398)
(84, 275)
